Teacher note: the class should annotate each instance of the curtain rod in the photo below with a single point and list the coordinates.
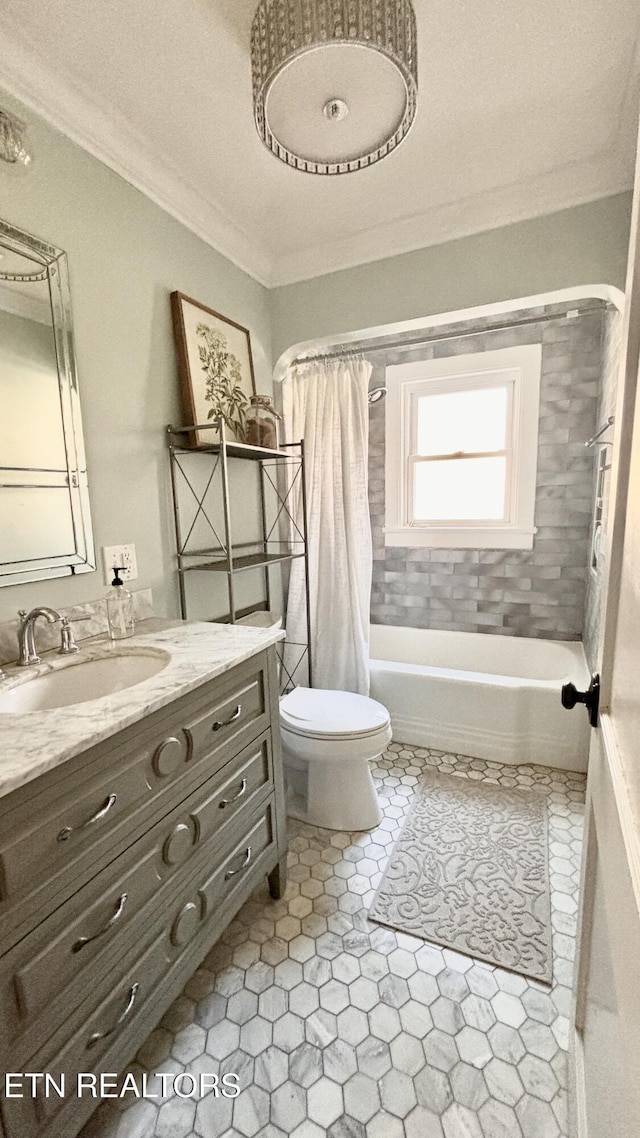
(339, 352)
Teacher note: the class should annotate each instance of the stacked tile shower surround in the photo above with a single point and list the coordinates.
(339, 1028)
(540, 592)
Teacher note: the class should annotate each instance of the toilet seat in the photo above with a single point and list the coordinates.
(315, 713)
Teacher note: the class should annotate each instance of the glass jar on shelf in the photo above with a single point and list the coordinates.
(262, 423)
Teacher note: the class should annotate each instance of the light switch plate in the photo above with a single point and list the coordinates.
(124, 555)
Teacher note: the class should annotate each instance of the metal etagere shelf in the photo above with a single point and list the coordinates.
(283, 539)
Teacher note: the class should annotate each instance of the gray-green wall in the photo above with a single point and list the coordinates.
(125, 256)
(584, 245)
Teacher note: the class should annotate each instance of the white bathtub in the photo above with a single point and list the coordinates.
(493, 697)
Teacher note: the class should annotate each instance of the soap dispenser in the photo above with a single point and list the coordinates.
(119, 609)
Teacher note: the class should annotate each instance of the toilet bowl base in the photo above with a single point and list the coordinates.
(340, 794)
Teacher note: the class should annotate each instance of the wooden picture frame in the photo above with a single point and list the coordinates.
(215, 366)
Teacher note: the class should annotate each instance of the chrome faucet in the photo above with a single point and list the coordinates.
(26, 632)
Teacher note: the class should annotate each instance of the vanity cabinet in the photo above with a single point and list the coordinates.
(118, 872)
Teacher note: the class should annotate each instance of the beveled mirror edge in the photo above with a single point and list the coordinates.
(83, 560)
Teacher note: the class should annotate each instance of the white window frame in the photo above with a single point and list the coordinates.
(519, 370)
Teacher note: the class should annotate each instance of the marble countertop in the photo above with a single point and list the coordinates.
(33, 742)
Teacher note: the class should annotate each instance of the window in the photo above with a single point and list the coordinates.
(461, 445)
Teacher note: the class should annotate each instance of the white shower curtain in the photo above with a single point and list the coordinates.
(325, 403)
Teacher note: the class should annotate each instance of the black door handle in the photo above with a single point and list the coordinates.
(570, 696)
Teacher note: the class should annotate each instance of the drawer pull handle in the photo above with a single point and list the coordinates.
(66, 833)
(247, 859)
(227, 801)
(98, 1035)
(236, 715)
(80, 943)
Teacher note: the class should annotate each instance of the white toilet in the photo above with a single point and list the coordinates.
(328, 738)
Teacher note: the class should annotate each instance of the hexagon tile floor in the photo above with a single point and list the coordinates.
(339, 1027)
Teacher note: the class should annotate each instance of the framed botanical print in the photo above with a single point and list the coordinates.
(215, 367)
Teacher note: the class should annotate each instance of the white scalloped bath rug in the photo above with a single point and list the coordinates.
(470, 871)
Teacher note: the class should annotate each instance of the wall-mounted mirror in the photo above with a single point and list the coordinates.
(45, 523)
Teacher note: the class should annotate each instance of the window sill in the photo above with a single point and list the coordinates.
(452, 537)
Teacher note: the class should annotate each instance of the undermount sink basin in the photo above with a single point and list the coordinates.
(82, 681)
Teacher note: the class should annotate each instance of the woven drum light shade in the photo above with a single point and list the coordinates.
(334, 81)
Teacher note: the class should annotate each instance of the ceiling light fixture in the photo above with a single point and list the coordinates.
(335, 82)
(12, 143)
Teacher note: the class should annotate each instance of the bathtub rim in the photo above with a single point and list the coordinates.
(463, 675)
(577, 668)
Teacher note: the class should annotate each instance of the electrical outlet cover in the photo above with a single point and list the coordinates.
(129, 561)
(119, 555)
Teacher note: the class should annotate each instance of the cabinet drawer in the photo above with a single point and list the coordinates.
(82, 1052)
(229, 715)
(105, 1031)
(97, 803)
(50, 971)
(124, 1002)
(223, 882)
(235, 787)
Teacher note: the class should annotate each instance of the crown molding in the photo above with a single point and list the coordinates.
(64, 105)
(572, 185)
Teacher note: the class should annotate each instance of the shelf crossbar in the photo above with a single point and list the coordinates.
(284, 508)
(200, 500)
(288, 680)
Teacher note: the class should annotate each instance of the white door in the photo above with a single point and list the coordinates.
(606, 1041)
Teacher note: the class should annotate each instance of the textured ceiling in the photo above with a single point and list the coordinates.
(524, 109)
